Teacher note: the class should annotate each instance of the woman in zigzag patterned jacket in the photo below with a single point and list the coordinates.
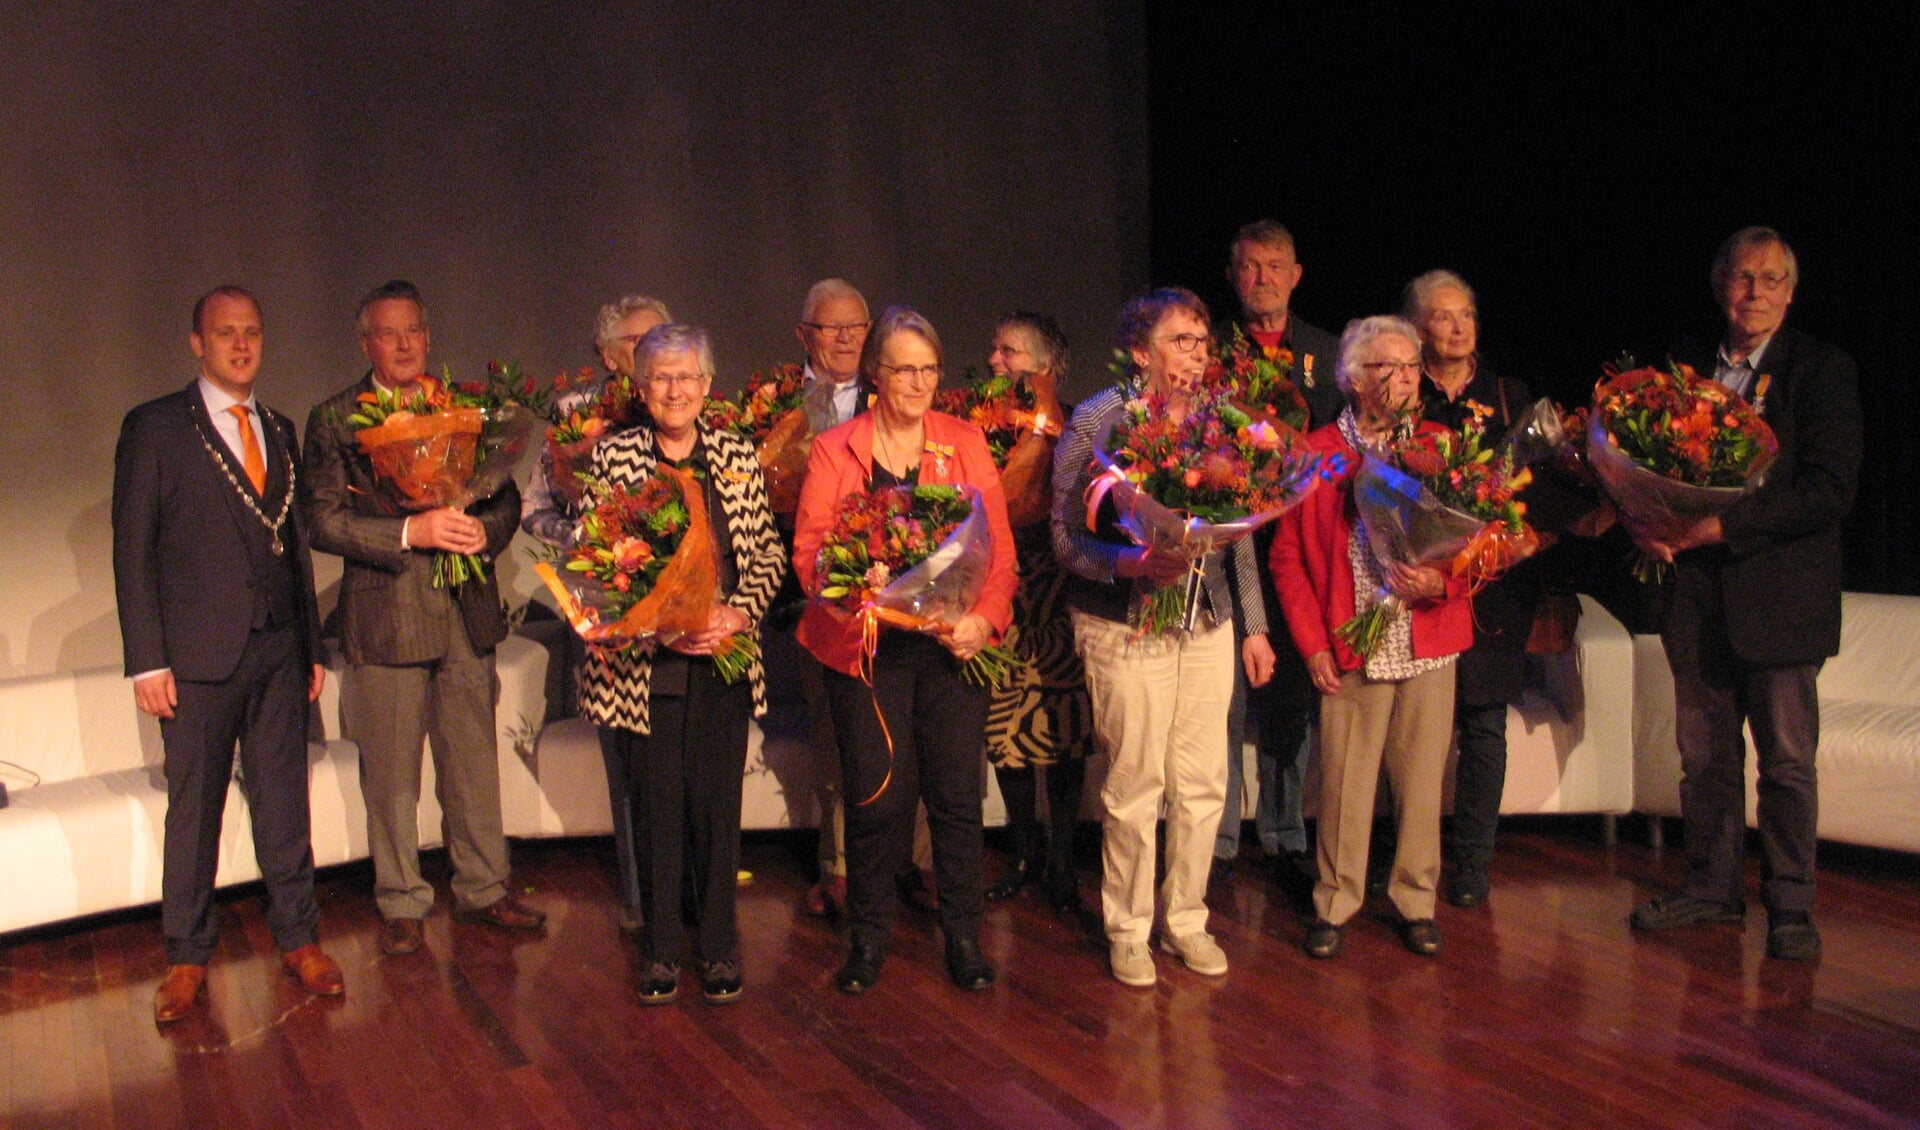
(681, 729)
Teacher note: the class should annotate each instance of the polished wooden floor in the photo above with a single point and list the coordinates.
(1541, 1010)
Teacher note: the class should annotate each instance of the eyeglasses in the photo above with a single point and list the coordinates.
(913, 372)
(1389, 368)
(838, 330)
(664, 381)
(1768, 281)
(1186, 343)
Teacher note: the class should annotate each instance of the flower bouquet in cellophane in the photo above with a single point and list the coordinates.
(1259, 379)
(1021, 417)
(1197, 485)
(914, 558)
(1440, 498)
(645, 567)
(1672, 447)
(779, 415)
(614, 407)
(441, 444)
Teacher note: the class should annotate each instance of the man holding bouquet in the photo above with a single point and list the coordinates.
(1756, 608)
(419, 656)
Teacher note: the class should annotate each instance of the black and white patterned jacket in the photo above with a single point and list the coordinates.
(614, 688)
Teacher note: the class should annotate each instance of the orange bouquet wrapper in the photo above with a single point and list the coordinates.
(428, 459)
(783, 460)
(678, 603)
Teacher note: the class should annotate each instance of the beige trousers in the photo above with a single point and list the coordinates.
(1160, 713)
(1407, 726)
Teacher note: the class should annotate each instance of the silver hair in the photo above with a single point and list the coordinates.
(1044, 339)
(606, 327)
(826, 289)
(392, 288)
(894, 320)
(1744, 240)
(1419, 292)
(1362, 332)
(673, 337)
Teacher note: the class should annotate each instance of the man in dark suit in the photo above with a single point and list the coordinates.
(222, 639)
(1756, 609)
(419, 657)
(1272, 690)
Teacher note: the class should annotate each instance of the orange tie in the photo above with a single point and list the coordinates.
(256, 464)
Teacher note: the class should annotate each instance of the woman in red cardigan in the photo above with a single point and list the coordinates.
(1395, 707)
(935, 718)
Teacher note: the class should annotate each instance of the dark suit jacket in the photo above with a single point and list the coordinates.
(1776, 581)
(183, 570)
(390, 613)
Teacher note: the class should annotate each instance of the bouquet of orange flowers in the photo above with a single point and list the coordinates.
(645, 567)
(1021, 417)
(1438, 497)
(1197, 485)
(1672, 448)
(613, 407)
(914, 558)
(779, 415)
(1259, 378)
(442, 444)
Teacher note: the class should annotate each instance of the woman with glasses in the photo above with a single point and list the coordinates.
(1395, 706)
(915, 733)
(1040, 721)
(1159, 702)
(663, 712)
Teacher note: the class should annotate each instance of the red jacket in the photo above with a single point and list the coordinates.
(1315, 579)
(842, 463)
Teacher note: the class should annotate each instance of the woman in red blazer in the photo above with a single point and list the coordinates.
(929, 746)
(1396, 706)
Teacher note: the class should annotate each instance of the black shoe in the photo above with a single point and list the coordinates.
(720, 981)
(1011, 885)
(1323, 939)
(861, 970)
(1422, 936)
(1469, 886)
(1063, 891)
(1792, 936)
(660, 983)
(1671, 911)
(967, 966)
(1379, 871)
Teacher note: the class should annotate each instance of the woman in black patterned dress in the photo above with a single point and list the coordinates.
(1040, 720)
(680, 729)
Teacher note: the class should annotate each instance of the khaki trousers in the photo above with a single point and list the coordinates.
(1160, 711)
(448, 703)
(1407, 726)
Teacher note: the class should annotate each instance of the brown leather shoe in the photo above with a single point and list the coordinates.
(508, 913)
(401, 936)
(177, 992)
(315, 971)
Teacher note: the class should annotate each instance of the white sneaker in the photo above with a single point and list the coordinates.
(1199, 951)
(1133, 964)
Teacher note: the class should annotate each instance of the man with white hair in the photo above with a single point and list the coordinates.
(1755, 609)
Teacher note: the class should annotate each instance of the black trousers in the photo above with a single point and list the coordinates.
(1479, 778)
(685, 782)
(263, 707)
(937, 721)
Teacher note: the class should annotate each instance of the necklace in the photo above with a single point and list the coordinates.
(272, 524)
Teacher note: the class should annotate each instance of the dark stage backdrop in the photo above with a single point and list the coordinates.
(1578, 164)
(523, 163)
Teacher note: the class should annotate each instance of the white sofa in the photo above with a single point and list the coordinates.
(1869, 755)
(87, 837)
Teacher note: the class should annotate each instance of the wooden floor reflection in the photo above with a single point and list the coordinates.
(1541, 1010)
